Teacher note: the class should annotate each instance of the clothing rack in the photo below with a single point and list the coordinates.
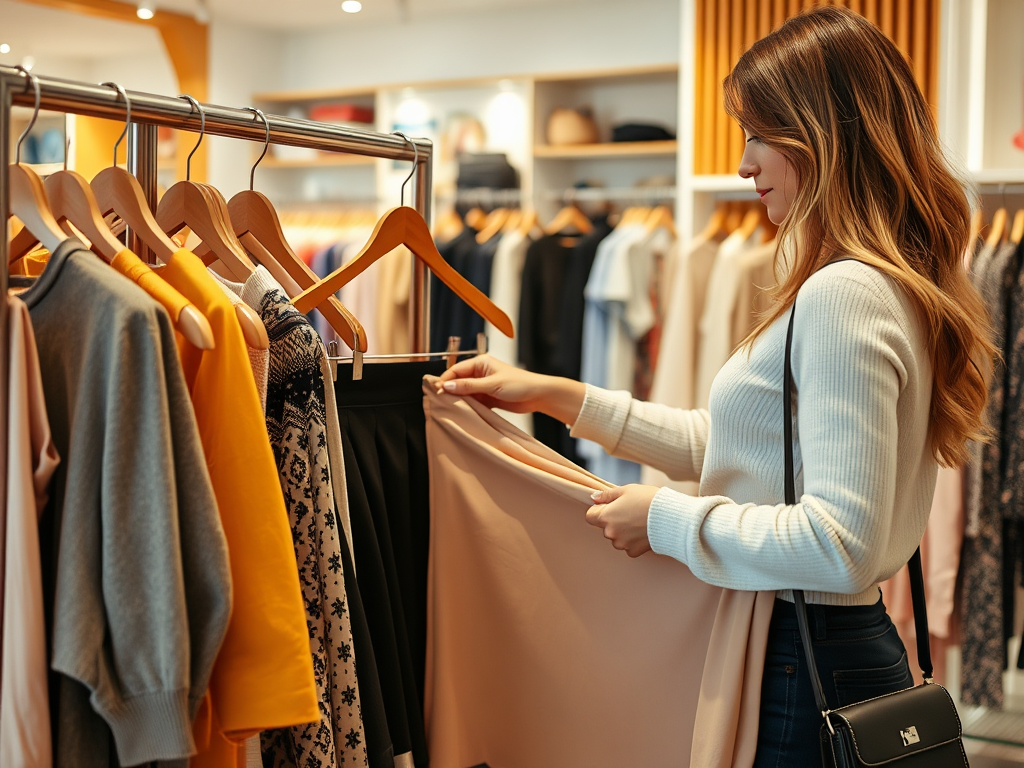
(150, 111)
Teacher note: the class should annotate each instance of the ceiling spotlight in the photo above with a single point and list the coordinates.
(146, 10)
(352, 6)
(5, 48)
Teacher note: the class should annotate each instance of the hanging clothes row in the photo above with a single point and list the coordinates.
(210, 501)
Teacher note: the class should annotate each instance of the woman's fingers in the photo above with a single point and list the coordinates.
(484, 386)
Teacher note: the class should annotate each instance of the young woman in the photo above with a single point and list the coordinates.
(890, 350)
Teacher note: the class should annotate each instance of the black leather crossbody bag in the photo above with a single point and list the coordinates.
(913, 728)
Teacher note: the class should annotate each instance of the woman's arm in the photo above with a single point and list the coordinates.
(851, 362)
(668, 439)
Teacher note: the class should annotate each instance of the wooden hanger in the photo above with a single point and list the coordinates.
(71, 199)
(998, 229)
(448, 225)
(529, 223)
(188, 204)
(493, 224)
(117, 191)
(28, 203)
(254, 221)
(570, 217)
(27, 196)
(1017, 229)
(751, 221)
(661, 217)
(475, 218)
(715, 228)
(515, 218)
(405, 226)
(258, 227)
(734, 217)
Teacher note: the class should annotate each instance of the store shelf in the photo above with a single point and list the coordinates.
(318, 162)
(722, 182)
(990, 177)
(610, 149)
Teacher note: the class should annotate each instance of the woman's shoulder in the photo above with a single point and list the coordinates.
(854, 289)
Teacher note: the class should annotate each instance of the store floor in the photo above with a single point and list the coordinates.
(984, 755)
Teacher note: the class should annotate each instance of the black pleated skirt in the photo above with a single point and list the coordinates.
(385, 448)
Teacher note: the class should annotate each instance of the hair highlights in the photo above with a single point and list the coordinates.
(830, 92)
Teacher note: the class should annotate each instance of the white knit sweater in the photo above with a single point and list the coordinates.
(865, 471)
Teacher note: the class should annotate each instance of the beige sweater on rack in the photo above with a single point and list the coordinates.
(865, 471)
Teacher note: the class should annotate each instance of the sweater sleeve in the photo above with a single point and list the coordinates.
(121, 625)
(849, 375)
(671, 440)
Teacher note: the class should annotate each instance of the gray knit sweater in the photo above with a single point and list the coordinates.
(865, 471)
(136, 578)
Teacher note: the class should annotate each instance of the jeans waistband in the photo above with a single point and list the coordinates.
(822, 618)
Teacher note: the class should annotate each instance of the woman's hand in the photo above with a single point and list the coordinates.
(622, 513)
(500, 385)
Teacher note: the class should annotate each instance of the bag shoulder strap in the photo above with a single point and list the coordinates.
(916, 574)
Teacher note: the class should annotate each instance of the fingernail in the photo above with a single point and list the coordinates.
(596, 495)
(449, 386)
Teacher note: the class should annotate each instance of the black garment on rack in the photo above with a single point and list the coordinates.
(444, 304)
(384, 436)
(540, 305)
(569, 349)
(479, 267)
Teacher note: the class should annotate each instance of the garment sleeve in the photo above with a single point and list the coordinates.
(671, 440)
(120, 621)
(849, 375)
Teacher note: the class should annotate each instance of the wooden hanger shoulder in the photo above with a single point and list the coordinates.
(28, 202)
(71, 199)
(117, 191)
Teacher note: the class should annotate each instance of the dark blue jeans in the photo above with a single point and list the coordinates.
(859, 656)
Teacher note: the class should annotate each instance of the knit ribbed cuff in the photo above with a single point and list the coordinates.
(671, 520)
(151, 726)
(602, 417)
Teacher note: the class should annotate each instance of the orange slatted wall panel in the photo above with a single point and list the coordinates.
(726, 28)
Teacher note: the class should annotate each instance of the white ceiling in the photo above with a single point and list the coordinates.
(300, 14)
(38, 31)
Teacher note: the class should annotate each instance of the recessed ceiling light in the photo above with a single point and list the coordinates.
(351, 6)
(146, 10)
(28, 62)
(5, 48)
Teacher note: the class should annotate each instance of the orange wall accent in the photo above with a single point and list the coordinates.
(187, 44)
(726, 28)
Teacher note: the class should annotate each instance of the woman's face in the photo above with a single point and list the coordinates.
(773, 175)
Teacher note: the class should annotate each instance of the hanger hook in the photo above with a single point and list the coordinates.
(34, 82)
(127, 117)
(415, 162)
(202, 131)
(266, 144)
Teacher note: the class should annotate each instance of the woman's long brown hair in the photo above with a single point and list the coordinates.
(836, 97)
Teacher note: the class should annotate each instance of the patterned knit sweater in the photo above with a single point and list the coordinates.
(865, 471)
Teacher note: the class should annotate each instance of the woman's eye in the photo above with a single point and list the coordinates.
(752, 138)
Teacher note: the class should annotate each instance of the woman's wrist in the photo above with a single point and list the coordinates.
(561, 398)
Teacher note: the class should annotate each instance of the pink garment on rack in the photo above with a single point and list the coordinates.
(31, 461)
(940, 560)
(546, 646)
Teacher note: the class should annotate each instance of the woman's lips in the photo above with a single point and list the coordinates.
(763, 192)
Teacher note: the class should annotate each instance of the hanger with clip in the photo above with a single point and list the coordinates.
(405, 226)
(27, 195)
(255, 222)
(451, 356)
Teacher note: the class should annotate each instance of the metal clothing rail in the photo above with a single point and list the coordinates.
(148, 111)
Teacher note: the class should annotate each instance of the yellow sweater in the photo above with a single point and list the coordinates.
(263, 676)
